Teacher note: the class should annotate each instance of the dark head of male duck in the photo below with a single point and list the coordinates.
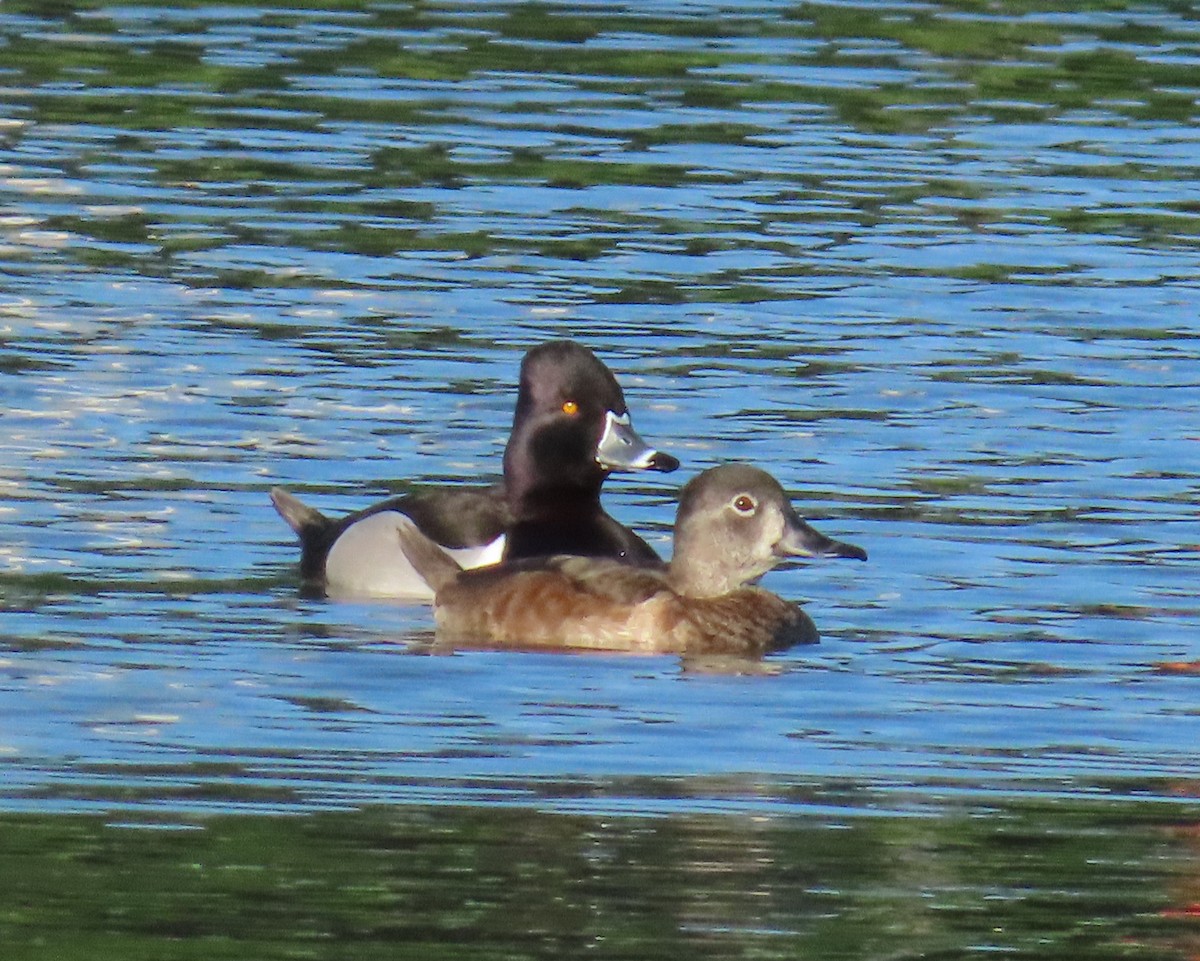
(570, 429)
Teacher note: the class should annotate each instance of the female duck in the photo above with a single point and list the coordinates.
(734, 524)
(570, 429)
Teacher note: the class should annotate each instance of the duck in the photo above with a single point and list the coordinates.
(734, 523)
(571, 428)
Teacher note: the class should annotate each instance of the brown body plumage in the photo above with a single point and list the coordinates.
(586, 603)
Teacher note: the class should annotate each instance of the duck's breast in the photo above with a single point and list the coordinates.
(747, 621)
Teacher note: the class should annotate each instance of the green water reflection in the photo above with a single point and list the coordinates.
(1046, 879)
(144, 83)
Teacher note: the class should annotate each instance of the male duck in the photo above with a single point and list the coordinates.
(734, 523)
(570, 429)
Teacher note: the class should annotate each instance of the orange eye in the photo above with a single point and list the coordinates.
(570, 408)
(744, 504)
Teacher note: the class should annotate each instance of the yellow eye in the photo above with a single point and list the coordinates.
(570, 408)
(744, 504)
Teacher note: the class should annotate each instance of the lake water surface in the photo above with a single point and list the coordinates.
(934, 265)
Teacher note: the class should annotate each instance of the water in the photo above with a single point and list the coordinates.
(935, 266)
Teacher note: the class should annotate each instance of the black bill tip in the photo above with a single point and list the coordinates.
(663, 462)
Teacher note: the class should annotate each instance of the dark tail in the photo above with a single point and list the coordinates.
(316, 532)
(300, 517)
(433, 564)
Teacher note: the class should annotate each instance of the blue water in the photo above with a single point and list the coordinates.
(933, 268)
(933, 265)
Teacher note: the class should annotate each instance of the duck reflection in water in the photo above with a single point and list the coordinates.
(734, 523)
